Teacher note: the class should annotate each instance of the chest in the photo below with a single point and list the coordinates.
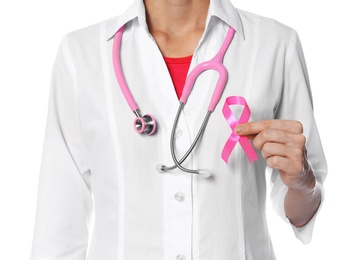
(254, 69)
(177, 45)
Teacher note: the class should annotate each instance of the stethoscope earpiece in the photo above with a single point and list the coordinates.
(145, 124)
(160, 168)
(205, 173)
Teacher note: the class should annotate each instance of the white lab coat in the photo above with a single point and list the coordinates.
(95, 167)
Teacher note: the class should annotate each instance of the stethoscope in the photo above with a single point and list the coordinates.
(147, 124)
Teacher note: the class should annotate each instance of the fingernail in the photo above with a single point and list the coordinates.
(238, 129)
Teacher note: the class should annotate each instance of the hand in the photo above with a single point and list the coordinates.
(282, 145)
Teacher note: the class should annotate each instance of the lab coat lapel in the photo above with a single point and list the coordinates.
(147, 76)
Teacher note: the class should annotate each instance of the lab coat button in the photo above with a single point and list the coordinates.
(178, 132)
(179, 196)
(180, 257)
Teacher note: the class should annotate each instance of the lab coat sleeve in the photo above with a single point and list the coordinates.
(64, 199)
(297, 104)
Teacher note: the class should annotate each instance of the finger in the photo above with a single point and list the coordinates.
(256, 127)
(270, 149)
(251, 137)
(278, 136)
(286, 165)
(295, 154)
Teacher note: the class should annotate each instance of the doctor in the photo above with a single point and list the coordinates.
(96, 170)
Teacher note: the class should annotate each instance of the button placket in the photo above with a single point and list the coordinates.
(180, 228)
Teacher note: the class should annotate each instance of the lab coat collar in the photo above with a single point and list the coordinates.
(223, 9)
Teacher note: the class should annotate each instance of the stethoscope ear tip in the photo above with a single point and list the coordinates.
(204, 173)
(160, 168)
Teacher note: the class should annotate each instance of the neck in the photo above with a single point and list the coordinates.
(176, 17)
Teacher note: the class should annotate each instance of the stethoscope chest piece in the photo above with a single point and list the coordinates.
(145, 124)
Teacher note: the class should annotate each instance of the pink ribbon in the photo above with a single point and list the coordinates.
(232, 121)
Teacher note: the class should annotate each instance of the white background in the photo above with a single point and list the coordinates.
(30, 35)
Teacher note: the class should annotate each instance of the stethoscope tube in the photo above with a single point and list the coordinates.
(142, 124)
(203, 172)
